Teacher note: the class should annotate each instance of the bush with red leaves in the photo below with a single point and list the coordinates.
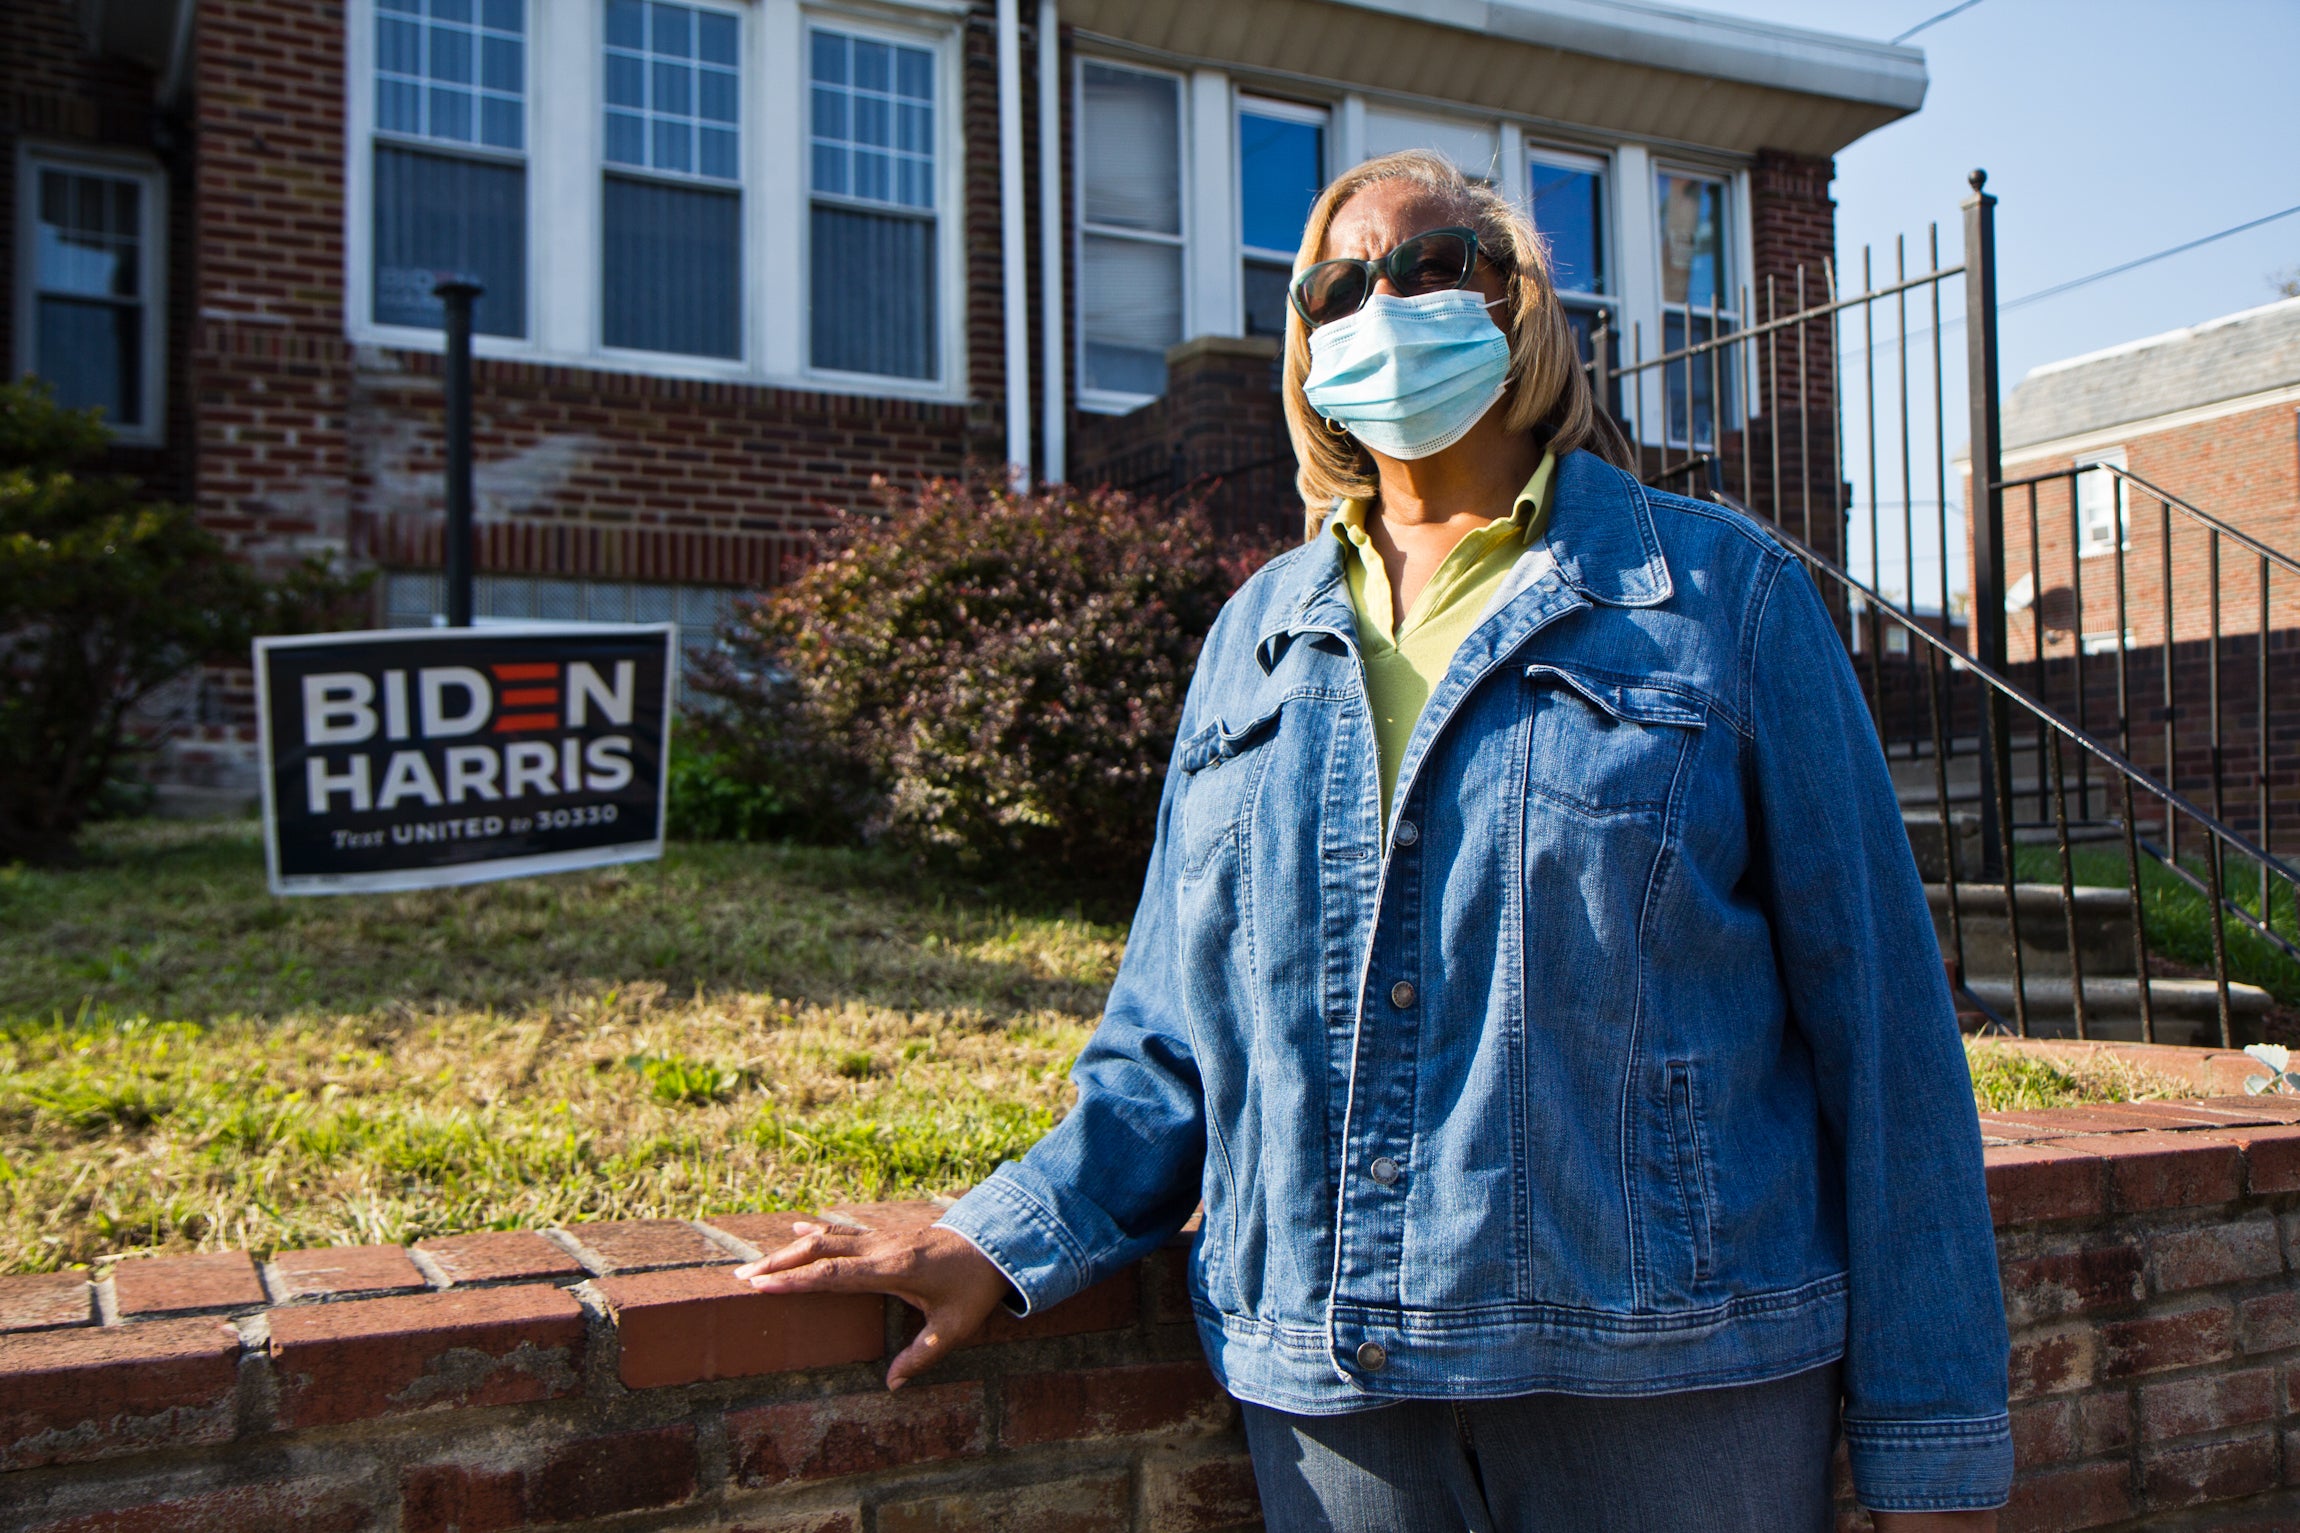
(986, 678)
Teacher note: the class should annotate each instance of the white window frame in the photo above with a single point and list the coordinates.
(566, 173)
(1107, 401)
(949, 205)
(2098, 492)
(33, 156)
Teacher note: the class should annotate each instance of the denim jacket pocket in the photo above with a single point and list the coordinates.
(1603, 746)
(1222, 766)
(1689, 1162)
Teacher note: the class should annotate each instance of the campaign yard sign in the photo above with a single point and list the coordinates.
(411, 758)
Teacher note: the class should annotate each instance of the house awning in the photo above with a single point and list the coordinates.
(1635, 70)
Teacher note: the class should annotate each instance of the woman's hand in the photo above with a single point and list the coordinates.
(1935, 1522)
(935, 1271)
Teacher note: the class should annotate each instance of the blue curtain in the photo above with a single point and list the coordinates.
(872, 293)
(441, 213)
(673, 268)
(93, 353)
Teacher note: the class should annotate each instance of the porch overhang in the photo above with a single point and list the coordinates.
(1634, 70)
(154, 33)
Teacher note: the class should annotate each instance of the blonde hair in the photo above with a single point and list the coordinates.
(1548, 389)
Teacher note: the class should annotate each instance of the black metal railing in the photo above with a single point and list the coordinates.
(1941, 684)
(2140, 797)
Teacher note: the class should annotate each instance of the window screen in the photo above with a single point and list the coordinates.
(1696, 284)
(88, 284)
(872, 224)
(671, 211)
(1281, 165)
(450, 178)
(1130, 249)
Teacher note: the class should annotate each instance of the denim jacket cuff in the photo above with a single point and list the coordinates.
(1022, 1238)
(1962, 1464)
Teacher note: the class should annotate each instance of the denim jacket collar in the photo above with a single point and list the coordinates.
(1600, 533)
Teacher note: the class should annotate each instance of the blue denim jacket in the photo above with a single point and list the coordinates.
(1626, 1065)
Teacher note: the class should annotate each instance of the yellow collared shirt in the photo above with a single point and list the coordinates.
(1404, 661)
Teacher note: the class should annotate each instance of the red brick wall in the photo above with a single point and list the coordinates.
(2243, 468)
(515, 1379)
(309, 444)
(1794, 237)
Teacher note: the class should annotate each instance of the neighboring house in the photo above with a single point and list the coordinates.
(742, 258)
(2212, 415)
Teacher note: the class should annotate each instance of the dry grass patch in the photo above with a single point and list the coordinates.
(2010, 1079)
(185, 1063)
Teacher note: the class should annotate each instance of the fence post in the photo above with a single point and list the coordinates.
(1985, 506)
(456, 295)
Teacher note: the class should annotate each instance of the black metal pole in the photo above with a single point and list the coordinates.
(456, 295)
(1985, 505)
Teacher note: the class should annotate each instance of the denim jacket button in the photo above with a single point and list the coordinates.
(1401, 995)
(1384, 1170)
(1372, 1356)
(1408, 833)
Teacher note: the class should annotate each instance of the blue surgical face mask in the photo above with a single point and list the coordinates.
(1409, 376)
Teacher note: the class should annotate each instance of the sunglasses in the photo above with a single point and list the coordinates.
(1433, 262)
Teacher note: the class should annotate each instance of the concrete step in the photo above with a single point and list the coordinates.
(1923, 823)
(2187, 1010)
(2103, 929)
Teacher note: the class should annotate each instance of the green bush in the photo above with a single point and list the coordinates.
(104, 598)
(980, 677)
(711, 799)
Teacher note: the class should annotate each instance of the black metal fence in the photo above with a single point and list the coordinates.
(1990, 768)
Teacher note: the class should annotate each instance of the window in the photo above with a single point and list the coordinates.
(872, 284)
(1569, 212)
(1130, 237)
(1281, 166)
(2104, 517)
(671, 209)
(1697, 303)
(450, 171)
(93, 277)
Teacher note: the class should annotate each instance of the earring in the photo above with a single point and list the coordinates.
(1336, 427)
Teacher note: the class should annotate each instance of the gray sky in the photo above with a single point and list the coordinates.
(2110, 129)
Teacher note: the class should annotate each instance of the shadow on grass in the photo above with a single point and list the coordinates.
(173, 920)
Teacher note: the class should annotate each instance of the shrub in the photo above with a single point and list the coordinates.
(988, 678)
(104, 597)
(711, 799)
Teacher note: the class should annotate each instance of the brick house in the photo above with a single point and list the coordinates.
(741, 257)
(2210, 413)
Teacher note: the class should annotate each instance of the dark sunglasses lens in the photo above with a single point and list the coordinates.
(1332, 290)
(1429, 263)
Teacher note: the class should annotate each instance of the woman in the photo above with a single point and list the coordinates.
(1537, 989)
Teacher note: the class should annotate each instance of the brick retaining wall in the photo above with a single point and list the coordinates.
(611, 1376)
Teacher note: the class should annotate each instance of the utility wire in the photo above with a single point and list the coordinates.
(2056, 291)
(1886, 343)
(1931, 21)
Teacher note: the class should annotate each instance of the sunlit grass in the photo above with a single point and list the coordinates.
(2178, 920)
(187, 1064)
(2007, 1079)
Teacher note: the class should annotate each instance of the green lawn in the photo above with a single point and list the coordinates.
(2178, 920)
(187, 1062)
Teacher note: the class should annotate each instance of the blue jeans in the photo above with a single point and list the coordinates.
(1750, 1459)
